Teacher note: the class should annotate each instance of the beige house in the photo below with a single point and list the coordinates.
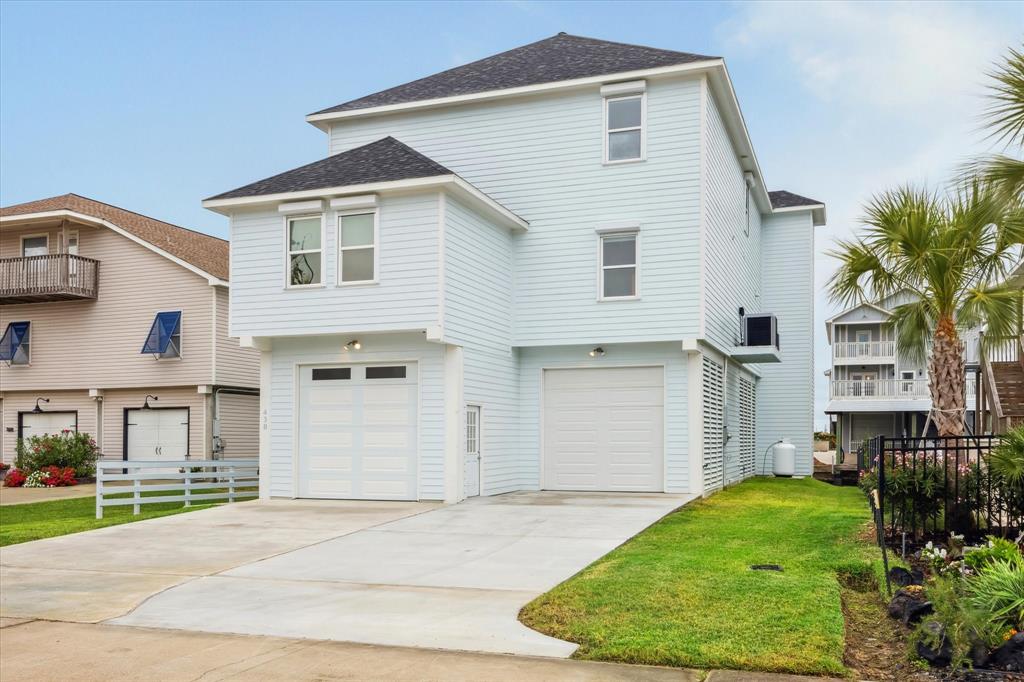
(116, 324)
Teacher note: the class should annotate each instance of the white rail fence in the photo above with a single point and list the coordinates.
(230, 479)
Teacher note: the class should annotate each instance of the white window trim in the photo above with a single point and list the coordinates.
(376, 246)
(642, 127)
(601, 236)
(31, 331)
(21, 243)
(288, 252)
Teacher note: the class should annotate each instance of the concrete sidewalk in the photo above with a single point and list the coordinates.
(27, 495)
(44, 651)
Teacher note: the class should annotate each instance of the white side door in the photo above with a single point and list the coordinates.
(157, 434)
(46, 423)
(472, 455)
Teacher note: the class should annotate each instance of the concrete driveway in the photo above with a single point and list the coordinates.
(408, 574)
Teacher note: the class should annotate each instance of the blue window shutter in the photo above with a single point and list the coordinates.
(164, 327)
(12, 339)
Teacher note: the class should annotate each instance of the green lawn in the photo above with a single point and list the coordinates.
(36, 520)
(682, 594)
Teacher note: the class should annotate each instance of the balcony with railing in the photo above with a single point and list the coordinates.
(53, 277)
(893, 389)
(864, 352)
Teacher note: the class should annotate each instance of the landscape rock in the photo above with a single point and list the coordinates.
(904, 578)
(1009, 656)
(909, 605)
(940, 656)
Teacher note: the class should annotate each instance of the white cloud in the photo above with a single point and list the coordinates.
(897, 93)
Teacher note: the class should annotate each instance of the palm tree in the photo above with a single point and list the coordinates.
(951, 254)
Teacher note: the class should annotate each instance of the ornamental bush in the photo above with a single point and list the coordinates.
(67, 449)
(15, 478)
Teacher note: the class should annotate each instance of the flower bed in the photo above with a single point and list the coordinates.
(53, 460)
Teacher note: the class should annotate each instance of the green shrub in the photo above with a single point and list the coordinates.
(65, 449)
(964, 625)
(997, 549)
(997, 592)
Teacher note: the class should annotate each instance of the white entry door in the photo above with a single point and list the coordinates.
(472, 456)
(357, 432)
(604, 429)
(45, 423)
(157, 434)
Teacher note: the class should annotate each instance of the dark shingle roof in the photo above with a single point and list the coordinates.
(205, 252)
(385, 160)
(784, 199)
(560, 57)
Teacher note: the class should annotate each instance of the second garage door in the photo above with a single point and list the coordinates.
(604, 429)
(46, 423)
(357, 432)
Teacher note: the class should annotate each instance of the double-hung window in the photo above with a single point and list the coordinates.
(305, 251)
(619, 265)
(357, 248)
(624, 128)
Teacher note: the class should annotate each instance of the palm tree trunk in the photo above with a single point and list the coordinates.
(947, 374)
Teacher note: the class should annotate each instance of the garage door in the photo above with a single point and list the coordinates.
(357, 432)
(157, 434)
(604, 429)
(44, 423)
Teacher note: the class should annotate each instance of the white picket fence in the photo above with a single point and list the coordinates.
(221, 478)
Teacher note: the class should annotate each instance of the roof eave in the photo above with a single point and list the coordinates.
(817, 212)
(450, 182)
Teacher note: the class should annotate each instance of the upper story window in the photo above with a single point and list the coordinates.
(305, 251)
(357, 248)
(624, 128)
(164, 338)
(35, 245)
(619, 265)
(14, 344)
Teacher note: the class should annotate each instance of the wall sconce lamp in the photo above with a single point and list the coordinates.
(146, 405)
(37, 409)
(597, 352)
(353, 345)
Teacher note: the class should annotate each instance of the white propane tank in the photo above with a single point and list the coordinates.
(785, 458)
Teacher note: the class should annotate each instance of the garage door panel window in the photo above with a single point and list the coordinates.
(357, 248)
(305, 251)
(394, 372)
(619, 265)
(332, 373)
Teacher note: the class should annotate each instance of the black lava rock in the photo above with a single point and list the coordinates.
(1009, 656)
(909, 605)
(903, 578)
(940, 656)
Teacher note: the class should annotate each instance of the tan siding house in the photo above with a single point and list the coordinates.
(89, 279)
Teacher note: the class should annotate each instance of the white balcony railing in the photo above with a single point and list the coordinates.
(864, 350)
(893, 389)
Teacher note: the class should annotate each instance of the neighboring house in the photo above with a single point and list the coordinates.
(873, 389)
(527, 273)
(100, 308)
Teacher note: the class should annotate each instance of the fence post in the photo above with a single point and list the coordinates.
(878, 448)
(136, 492)
(231, 484)
(188, 486)
(99, 491)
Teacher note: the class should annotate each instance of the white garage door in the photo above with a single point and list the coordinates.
(357, 432)
(44, 423)
(604, 429)
(157, 434)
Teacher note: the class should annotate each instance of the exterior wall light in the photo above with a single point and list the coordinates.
(146, 405)
(353, 345)
(37, 409)
(597, 352)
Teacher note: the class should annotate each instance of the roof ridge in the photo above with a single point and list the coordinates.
(619, 42)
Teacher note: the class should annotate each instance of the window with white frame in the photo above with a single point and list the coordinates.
(619, 265)
(305, 251)
(624, 128)
(357, 248)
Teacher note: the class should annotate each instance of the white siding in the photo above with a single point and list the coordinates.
(732, 265)
(785, 394)
(288, 353)
(478, 317)
(542, 158)
(533, 362)
(405, 298)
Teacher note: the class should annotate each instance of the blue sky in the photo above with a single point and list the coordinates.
(153, 106)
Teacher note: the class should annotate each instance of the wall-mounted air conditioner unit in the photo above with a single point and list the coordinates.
(760, 329)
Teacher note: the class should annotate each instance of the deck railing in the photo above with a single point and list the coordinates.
(220, 479)
(871, 389)
(864, 350)
(58, 276)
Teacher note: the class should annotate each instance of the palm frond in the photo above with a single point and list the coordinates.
(1005, 113)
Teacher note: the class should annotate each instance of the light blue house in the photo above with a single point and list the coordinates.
(528, 273)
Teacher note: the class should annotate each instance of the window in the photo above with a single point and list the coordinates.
(38, 245)
(863, 336)
(357, 248)
(396, 372)
(164, 338)
(332, 373)
(304, 251)
(908, 381)
(472, 430)
(619, 265)
(14, 344)
(624, 128)
(72, 242)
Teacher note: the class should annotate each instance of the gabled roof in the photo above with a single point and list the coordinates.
(866, 304)
(198, 251)
(783, 199)
(558, 58)
(385, 160)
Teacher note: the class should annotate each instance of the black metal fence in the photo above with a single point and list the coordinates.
(937, 486)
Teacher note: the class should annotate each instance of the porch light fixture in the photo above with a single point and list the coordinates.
(597, 352)
(353, 345)
(37, 409)
(146, 405)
